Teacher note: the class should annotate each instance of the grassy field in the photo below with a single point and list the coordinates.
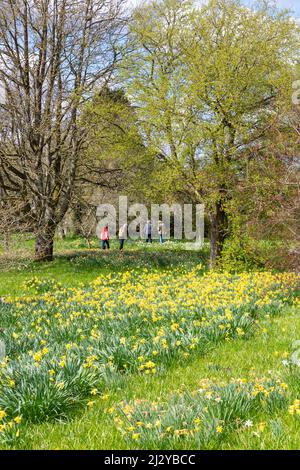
(94, 429)
(204, 356)
(76, 263)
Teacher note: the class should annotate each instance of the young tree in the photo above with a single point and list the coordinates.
(53, 53)
(114, 148)
(115, 158)
(207, 82)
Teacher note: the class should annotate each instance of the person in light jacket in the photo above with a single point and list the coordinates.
(122, 236)
(105, 238)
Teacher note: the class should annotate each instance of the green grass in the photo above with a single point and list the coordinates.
(75, 263)
(94, 428)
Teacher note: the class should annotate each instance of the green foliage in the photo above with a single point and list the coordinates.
(115, 155)
(36, 399)
(65, 346)
(207, 83)
(241, 253)
(41, 285)
(205, 416)
(226, 363)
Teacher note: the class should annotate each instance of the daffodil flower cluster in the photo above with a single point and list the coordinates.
(294, 409)
(65, 344)
(205, 416)
(9, 429)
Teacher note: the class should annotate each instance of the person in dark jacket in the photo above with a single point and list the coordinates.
(148, 232)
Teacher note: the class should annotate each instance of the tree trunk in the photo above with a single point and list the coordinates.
(62, 231)
(6, 242)
(78, 212)
(218, 233)
(44, 244)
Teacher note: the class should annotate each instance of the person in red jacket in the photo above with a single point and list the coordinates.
(105, 238)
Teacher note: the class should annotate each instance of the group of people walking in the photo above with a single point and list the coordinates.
(123, 233)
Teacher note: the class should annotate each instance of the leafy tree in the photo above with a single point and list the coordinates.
(207, 83)
(115, 159)
(53, 53)
(114, 148)
(266, 205)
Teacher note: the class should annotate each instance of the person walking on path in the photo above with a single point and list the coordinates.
(160, 230)
(148, 231)
(105, 238)
(122, 236)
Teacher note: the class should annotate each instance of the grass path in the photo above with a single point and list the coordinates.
(94, 429)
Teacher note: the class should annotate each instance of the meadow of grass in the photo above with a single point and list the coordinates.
(147, 349)
(76, 263)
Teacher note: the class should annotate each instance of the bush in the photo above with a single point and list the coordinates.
(241, 253)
